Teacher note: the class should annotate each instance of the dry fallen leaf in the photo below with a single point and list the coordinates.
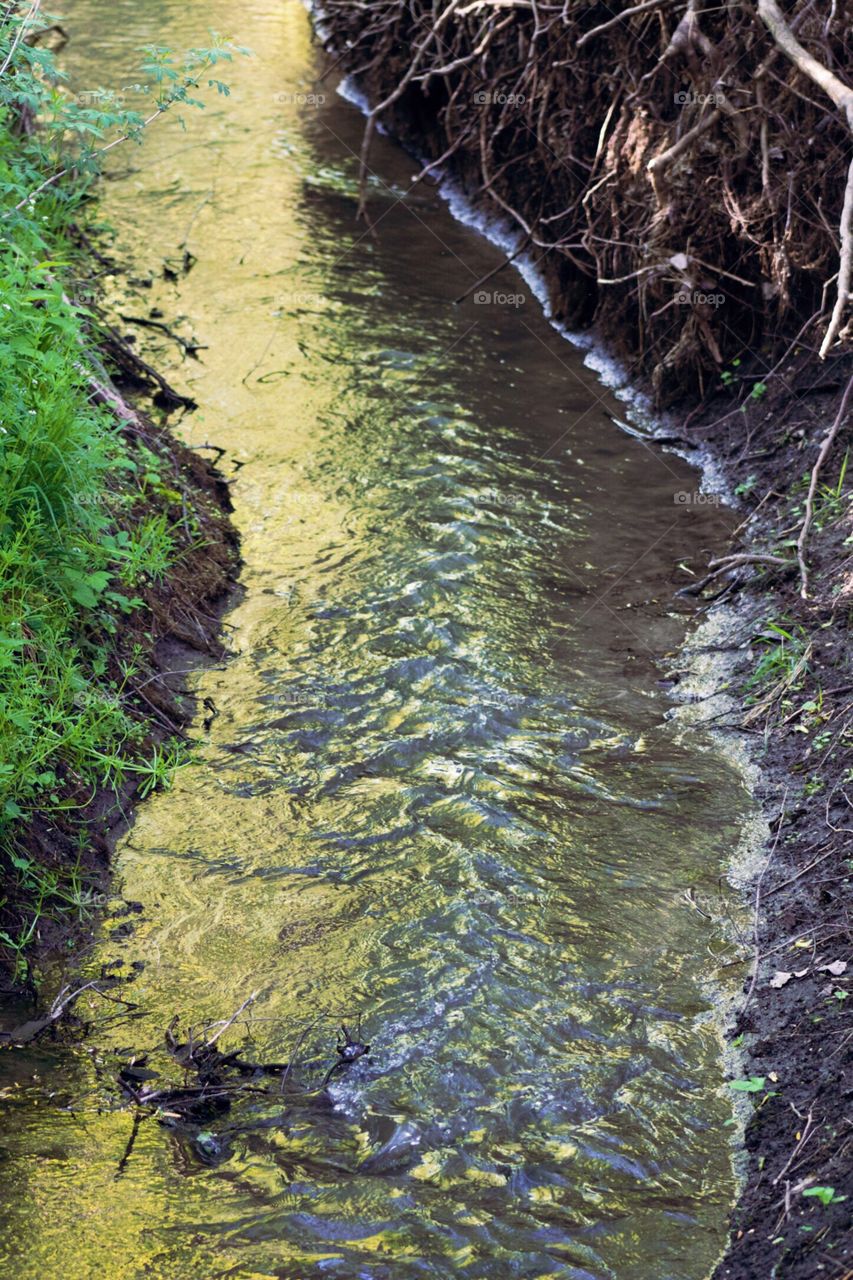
(836, 968)
(780, 977)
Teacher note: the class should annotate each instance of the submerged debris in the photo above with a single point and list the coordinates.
(214, 1080)
(61, 1011)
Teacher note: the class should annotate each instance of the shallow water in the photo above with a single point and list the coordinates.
(442, 793)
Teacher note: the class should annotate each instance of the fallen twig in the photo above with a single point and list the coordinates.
(230, 1021)
(815, 476)
(842, 95)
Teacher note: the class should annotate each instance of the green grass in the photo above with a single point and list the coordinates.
(61, 550)
(782, 653)
(77, 533)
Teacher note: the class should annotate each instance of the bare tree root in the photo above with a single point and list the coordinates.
(842, 95)
(667, 167)
(140, 370)
(620, 17)
(726, 566)
(802, 540)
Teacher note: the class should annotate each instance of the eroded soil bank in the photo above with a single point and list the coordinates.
(709, 274)
(146, 659)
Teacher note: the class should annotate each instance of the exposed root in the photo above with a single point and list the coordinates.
(724, 566)
(140, 370)
(802, 540)
(188, 347)
(842, 95)
(667, 166)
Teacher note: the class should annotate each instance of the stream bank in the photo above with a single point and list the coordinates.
(555, 163)
(117, 558)
(145, 661)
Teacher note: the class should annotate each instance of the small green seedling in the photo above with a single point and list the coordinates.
(727, 377)
(753, 1085)
(758, 390)
(826, 1195)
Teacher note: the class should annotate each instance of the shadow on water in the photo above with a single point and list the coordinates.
(442, 793)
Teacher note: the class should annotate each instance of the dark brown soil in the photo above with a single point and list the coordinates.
(801, 1134)
(761, 412)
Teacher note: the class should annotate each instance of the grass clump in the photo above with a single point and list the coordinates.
(73, 545)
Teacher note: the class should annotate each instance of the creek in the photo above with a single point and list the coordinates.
(444, 798)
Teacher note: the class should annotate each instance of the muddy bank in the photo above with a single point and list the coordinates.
(720, 306)
(145, 659)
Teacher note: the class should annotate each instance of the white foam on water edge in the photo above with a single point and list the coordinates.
(642, 419)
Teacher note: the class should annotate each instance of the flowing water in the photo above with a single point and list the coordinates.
(442, 792)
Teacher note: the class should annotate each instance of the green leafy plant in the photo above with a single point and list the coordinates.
(727, 377)
(752, 1085)
(831, 502)
(782, 657)
(75, 137)
(826, 1195)
(757, 391)
(746, 486)
(72, 544)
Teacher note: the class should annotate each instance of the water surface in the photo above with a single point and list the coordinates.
(442, 792)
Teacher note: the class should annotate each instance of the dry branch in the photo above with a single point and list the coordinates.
(842, 95)
(620, 17)
(802, 540)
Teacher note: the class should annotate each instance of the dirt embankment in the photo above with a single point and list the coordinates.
(679, 176)
(143, 659)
